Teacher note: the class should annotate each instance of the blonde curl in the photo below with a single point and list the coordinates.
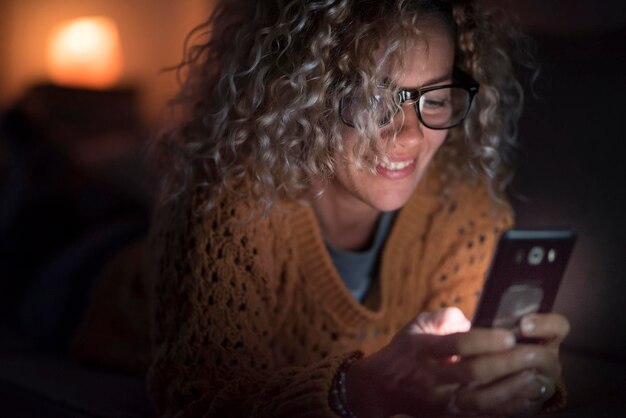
(261, 83)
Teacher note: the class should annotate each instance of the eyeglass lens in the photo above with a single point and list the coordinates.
(443, 108)
(437, 109)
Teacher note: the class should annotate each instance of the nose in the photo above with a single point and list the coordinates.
(412, 131)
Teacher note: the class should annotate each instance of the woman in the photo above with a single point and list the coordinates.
(337, 194)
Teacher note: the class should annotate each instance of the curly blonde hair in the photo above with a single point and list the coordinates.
(262, 81)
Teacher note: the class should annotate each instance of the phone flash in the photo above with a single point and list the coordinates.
(551, 255)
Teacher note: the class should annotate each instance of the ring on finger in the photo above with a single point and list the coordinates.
(542, 393)
(544, 389)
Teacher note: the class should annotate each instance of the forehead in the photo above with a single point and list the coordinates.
(427, 59)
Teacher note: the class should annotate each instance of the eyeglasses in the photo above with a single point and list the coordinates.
(438, 107)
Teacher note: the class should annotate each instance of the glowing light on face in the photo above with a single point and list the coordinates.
(85, 52)
(429, 62)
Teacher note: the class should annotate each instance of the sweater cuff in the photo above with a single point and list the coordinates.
(337, 397)
(302, 392)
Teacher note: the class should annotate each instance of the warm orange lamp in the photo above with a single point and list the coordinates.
(86, 53)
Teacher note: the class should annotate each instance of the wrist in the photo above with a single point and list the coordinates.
(337, 397)
(364, 396)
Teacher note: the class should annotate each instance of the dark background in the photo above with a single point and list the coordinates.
(571, 173)
(571, 168)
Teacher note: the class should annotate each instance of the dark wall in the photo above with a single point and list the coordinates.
(572, 172)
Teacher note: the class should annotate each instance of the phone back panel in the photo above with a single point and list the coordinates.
(524, 276)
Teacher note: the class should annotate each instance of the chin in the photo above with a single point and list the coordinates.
(392, 202)
(394, 198)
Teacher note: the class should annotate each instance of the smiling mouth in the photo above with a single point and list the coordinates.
(395, 166)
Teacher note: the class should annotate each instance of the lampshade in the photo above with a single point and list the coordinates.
(85, 52)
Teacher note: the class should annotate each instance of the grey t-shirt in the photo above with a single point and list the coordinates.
(358, 269)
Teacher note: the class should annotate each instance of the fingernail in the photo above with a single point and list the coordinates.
(509, 340)
(528, 324)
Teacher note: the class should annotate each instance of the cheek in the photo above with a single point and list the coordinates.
(345, 167)
(435, 140)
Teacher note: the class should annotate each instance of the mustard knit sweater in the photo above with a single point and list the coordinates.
(252, 318)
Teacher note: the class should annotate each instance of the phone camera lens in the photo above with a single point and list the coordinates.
(535, 256)
(551, 255)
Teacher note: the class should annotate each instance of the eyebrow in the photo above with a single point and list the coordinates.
(431, 82)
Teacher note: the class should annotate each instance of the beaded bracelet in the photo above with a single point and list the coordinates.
(338, 398)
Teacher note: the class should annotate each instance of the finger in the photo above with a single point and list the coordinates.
(552, 327)
(521, 393)
(453, 320)
(475, 342)
(543, 359)
(485, 369)
(442, 322)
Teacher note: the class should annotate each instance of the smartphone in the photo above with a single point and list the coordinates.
(524, 277)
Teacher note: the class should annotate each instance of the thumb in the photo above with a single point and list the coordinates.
(442, 322)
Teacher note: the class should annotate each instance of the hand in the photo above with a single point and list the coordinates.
(481, 370)
(421, 368)
(537, 383)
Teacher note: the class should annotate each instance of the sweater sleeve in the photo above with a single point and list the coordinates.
(222, 289)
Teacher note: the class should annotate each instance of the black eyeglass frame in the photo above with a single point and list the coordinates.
(464, 81)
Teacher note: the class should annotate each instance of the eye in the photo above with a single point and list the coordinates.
(434, 104)
(435, 100)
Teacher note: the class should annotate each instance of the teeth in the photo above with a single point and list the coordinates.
(396, 166)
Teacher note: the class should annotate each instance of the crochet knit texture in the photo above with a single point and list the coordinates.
(252, 318)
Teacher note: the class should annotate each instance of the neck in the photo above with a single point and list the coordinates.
(344, 223)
